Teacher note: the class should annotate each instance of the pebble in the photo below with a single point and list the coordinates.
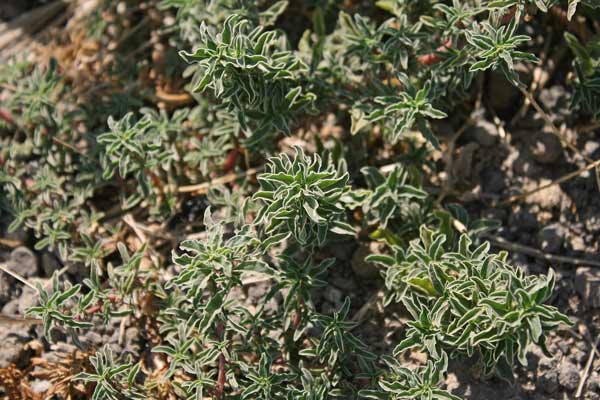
(484, 132)
(492, 181)
(551, 97)
(546, 198)
(5, 290)
(18, 306)
(546, 148)
(590, 147)
(548, 382)
(593, 382)
(13, 347)
(40, 386)
(550, 238)
(523, 220)
(334, 296)
(23, 262)
(257, 291)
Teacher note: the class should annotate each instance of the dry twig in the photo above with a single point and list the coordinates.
(562, 179)
(586, 371)
(18, 277)
(530, 251)
(202, 188)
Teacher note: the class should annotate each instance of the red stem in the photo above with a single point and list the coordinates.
(506, 18)
(434, 58)
(230, 160)
(221, 377)
(7, 116)
(220, 389)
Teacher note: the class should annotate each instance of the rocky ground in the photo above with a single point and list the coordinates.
(561, 220)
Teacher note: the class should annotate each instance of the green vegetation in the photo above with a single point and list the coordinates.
(386, 73)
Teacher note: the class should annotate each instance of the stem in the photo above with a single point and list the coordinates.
(220, 389)
(221, 377)
(298, 316)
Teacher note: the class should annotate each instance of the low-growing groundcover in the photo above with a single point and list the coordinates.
(200, 178)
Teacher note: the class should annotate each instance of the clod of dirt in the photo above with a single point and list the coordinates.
(40, 386)
(556, 102)
(463, 166)
(333, 295)
(492, 181)
(19, 306)
(6, 290)
(593, 383)
(590, 148)
(546, 148)
(551, 238)
(523, 220)
(547, 198)
(568, 375)
(548, 382)
(484, 132)
(587, 284)
(13, 346)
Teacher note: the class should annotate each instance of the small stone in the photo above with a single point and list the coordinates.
(546, 363)
(551, 238)
(547, 198)
(590, 147)
(18, 306)
(6, 290)
(568, 375)
(548, 382)
(11, 353)
(132, 338)
(577, 243)
(362, 268)
(551, 97)
(484, 132)
(23, 262)
(564, 346)
(593, 382)
(333, 295)
(492, 181)
(40, 386)
(546, 148)
(91, 339)
(523, 220)
(13, 347)
(257, 291)
(587, 284)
